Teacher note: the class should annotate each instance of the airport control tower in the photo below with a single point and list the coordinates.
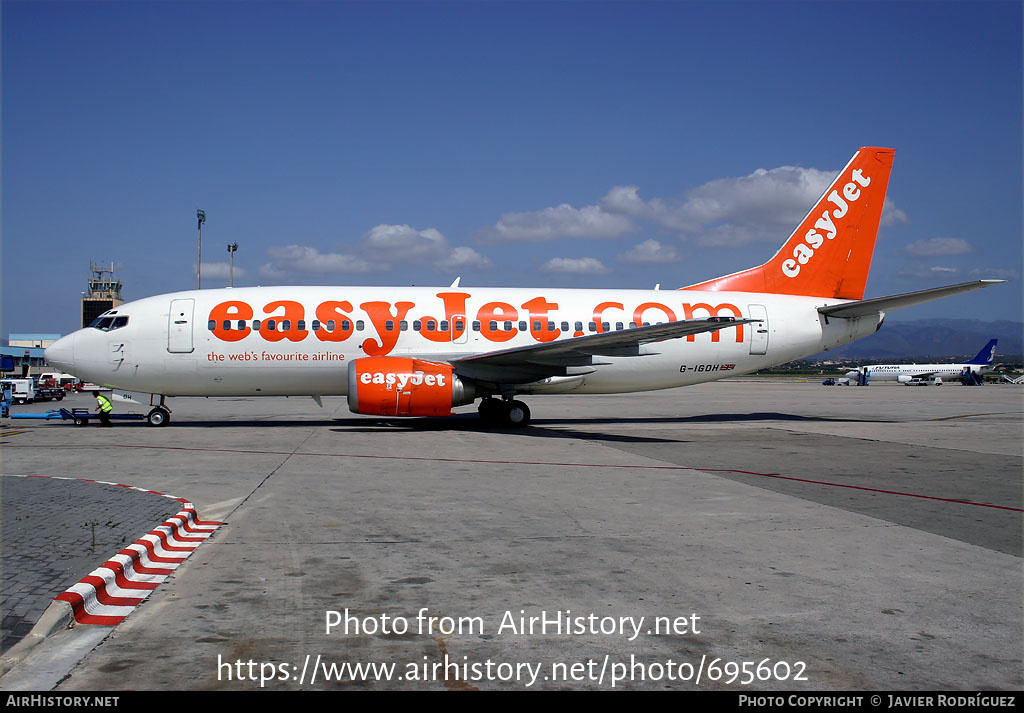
(104, 293)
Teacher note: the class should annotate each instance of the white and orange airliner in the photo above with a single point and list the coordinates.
(420, 351)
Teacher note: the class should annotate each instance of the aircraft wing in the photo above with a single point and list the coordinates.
(862, 308)
(922, 374)
(539, 361)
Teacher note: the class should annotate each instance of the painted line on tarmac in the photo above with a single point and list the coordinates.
(556, 464)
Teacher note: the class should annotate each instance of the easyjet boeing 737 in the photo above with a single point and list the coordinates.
(420, 351)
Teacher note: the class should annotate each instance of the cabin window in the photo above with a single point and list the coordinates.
(256, 324)
(389, 325)
(579, 326)
(444, 325)
(431, 326)
(522, 326)
(301, 325)
(476, 326)
(359, 325)
(508, 326)
(286, 325)
(316, 325)
(270, 325)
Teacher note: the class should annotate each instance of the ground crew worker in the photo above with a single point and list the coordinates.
(104, 408)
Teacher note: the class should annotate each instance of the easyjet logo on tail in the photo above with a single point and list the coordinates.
(829, 254)
(803, 252)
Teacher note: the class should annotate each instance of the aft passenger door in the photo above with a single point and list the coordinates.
(179, 326)
(759, 329)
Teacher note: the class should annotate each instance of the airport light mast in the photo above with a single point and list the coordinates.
(201, 217)
(232, 248)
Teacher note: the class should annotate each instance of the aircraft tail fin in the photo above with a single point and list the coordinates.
(987, 355)
(829, 254)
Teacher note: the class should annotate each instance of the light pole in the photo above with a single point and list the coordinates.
(232, 247)
(201, 217)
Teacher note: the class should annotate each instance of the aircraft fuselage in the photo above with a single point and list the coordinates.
(299, 340)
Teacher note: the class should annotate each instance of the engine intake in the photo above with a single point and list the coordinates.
(402, 386)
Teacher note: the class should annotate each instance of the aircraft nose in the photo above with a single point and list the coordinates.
(62, 353)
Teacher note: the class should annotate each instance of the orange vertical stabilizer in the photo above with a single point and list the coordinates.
(829, 254)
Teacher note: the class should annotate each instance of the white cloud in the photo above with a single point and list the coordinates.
(220, 269)
(304, 259)
(891, 215)
(464, 258)
(650, 252)
(561, 221)
(922, 271)
(377, 251)
(779, 196)
(575, 266)
(760, 207)
(994, 273)
(402, 243)
(938, 246)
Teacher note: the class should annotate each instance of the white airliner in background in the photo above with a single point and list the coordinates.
(420, 351)
(907, 373)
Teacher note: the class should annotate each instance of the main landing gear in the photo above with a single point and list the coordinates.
(507, 413)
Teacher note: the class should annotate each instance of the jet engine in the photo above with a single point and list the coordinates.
(402, 386)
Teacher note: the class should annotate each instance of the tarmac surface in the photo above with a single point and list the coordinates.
(748, 534)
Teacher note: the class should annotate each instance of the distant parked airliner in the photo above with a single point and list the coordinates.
(905, 373)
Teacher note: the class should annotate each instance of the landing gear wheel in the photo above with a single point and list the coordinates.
(159, 417)
(490, 411)
(517, 414)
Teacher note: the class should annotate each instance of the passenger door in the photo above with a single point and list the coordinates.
(179, 326)
(759, 329)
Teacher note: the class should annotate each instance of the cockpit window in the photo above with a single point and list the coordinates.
(109, 323)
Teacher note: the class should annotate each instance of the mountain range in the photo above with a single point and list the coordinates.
(932, 339)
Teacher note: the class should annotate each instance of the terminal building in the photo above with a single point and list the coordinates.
(23, 354)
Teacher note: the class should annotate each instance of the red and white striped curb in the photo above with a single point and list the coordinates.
(112, 591)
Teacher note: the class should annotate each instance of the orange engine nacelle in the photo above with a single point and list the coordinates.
(401, 386)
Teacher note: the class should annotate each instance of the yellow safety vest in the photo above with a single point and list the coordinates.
(105, 405)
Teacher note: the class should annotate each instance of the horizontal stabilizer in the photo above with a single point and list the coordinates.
(863, 308)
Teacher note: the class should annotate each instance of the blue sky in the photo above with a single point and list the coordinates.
(522, 144)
